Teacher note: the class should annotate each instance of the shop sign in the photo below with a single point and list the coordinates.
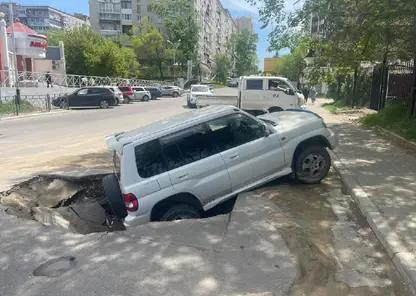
(38, 44)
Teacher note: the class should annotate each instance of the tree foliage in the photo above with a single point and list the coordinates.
(242, 48)
(181, 27)
(223, 68)
(88, 53)
(150, 48)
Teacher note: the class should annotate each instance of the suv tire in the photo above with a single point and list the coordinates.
(180, 212)
(126, 100)
(312, 165)
(114, 196)
(145, 98)
(175, 94)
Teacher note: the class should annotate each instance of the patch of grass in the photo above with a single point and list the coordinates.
(334, 106)
(9, 107)
(219, 85)
(393, 118)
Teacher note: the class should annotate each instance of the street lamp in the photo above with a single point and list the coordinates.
(174, 45)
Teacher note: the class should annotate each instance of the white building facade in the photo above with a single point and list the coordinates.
(244, 23)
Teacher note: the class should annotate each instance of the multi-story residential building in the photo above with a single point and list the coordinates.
(113, 17)
(43, 18)
(244, 23)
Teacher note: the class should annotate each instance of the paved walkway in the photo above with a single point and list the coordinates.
(386, 174)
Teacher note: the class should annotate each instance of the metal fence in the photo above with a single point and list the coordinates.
(11, 105)
(40, 79)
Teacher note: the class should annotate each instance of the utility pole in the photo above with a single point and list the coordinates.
(17, 100)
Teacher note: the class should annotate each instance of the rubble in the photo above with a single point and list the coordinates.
(75, 204)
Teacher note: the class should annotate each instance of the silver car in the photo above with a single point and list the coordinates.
(173, 91)
(182, 166)
(141, 94)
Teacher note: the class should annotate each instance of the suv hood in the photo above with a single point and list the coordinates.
(294, 121)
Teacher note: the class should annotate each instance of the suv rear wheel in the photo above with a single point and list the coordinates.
(312, 164)
(175, 94)
(126, 100)
(180, 212)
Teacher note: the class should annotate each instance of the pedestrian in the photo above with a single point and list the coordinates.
(312, 94)
(48, 79)
(305, 93)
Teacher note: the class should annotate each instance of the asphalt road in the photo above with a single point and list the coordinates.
(27, 143)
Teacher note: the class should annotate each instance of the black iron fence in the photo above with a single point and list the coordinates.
(23, 104)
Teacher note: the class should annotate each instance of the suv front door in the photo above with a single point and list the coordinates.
(78, 98)
(280, 94)
(249, 152)
(194, 165)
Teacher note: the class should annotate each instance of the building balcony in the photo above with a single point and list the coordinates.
(110, 32)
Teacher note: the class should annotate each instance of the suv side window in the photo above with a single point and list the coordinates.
(187, 146)
(234, 130)
(149, 159)
(83, 91)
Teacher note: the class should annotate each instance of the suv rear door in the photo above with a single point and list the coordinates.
(194, 165)
(249, 154)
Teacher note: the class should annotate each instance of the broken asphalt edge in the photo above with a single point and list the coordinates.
(402, 258)
(33, 115)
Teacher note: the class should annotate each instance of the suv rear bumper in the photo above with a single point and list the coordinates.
(131, 221)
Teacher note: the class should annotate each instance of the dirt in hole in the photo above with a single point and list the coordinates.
(305, 225)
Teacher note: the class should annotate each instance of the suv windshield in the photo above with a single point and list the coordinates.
(200, 89)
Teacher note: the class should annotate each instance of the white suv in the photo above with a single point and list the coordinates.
(185, 165)
(141, 94)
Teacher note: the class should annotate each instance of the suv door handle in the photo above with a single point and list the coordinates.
(182, 176)
(235, 156)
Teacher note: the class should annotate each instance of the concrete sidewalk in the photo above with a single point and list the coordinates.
(235, 254)
(382, 179)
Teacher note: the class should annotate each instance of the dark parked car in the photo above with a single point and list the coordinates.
(87, 97)
(154, 92)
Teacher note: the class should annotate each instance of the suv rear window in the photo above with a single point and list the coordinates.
(149, 159)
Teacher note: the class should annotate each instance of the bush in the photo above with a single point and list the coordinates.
(393, 118)
(334, 106)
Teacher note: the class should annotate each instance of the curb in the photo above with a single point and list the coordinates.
(32, 115)
(403, 260)
(411, 144)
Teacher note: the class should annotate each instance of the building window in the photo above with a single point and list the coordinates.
(149, 8)
(139, 8)
(139, 18)
(126, 5)
(150, 19)
(126, 17)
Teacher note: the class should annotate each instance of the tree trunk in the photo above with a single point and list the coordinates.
(339, 86)
(354, 87)
(412, 104)
(347, 91)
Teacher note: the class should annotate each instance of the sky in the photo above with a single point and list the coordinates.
(236, 7)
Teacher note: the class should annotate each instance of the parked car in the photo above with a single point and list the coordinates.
(233, 82)
(128, 94)
(197, 90)
(87, 97)
(117, 92)
(141, 94)
(154, 92)
(182, 166)
(173, 91)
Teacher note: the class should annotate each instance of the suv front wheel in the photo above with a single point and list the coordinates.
(180, 212)
(312, 164)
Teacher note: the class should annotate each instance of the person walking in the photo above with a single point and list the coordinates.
(305, 93)
(48, 79)
(312, 94)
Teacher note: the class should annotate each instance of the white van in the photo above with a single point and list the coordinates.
(258, 93)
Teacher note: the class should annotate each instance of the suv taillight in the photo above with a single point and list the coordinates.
(132, 204)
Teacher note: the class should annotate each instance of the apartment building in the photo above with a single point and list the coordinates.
(43, 18)
(113, 17)
(244, 23)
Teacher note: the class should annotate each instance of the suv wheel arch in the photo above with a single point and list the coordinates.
(314, 141)
(177, 199)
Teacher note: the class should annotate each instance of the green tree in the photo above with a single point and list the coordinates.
(243, 47)
(181, 27)
(150, 47)
(223, 68)
(88, 53)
